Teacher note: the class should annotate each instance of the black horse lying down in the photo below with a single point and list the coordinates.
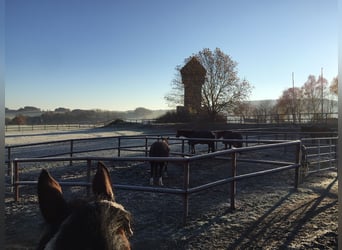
(233, 136)
(201, 136)
(159, 149)
(98, 224)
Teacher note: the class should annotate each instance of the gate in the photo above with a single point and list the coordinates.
(319, 154)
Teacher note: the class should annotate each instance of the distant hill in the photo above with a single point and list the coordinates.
(258, 102)
(26, 111)
(60, 115)
(34, 115)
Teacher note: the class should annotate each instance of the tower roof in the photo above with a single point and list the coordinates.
(193, 67)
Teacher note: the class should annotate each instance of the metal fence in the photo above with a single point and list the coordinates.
(42, 127)
(228, 156)
(319, 154)
(302, 118)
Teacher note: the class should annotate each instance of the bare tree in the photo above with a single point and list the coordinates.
(333, 95)
(175, 97)
(314, 93)
(222, 91)
(290, 104)
(244, 110)
(309, 101)
(334, 86)
(263, 110)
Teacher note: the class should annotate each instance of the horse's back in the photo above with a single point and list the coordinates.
(204, 134)
(160, 149)
(233, 136)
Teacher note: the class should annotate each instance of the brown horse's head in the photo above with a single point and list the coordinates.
(165, 139)
(98, 224)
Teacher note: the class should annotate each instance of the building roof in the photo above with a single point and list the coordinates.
(193, 67)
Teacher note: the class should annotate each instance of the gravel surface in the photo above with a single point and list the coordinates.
(270, 213)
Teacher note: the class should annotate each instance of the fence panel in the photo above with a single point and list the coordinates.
(319, 154)
(185, 190)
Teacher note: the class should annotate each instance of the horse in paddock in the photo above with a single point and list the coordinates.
(201, 136)
(80, 224)
(226, 135)
(159, 149)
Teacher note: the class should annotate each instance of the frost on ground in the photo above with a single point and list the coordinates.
(270, 213)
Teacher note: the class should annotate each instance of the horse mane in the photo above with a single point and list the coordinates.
(116, 213)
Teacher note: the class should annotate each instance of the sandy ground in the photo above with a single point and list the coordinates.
(270, 213)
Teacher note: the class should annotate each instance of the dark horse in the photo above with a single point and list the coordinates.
(235, 137)
(158, 149)
(201, 135)
(80, 224)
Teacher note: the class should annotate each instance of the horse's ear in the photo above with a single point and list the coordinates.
(166, 139)
(51, 202)
(102, 185)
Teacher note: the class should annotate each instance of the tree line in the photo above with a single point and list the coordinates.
(315, 100)
(27, 116)
(224, 93)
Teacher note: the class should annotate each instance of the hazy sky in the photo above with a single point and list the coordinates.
(119, 55)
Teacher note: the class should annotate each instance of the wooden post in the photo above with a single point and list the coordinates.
(233, 183)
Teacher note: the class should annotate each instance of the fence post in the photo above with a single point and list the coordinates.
(8, 160)
(71, 150)
(88, 176)
(330, 154)
(16, 179)
(146, 147)
(298, 162)
(319, 154)
(119, 145)
(186, 188)
(11, 175)
(233, 183)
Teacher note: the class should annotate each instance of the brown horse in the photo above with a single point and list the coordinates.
(98, 224)
(198, 137)
(158, 149)
(235, 138)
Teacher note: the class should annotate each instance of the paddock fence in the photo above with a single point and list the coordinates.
(319, 154)
(229, 157)
(46, 127)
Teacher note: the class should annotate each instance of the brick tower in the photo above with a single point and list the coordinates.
(193, 77)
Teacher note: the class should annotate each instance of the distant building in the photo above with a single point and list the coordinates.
(193, 77)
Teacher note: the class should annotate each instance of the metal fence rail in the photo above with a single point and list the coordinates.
(116, 144)
(319, 154)
(15, 128)
(188, 162)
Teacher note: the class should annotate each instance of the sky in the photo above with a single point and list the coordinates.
(122, 54)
